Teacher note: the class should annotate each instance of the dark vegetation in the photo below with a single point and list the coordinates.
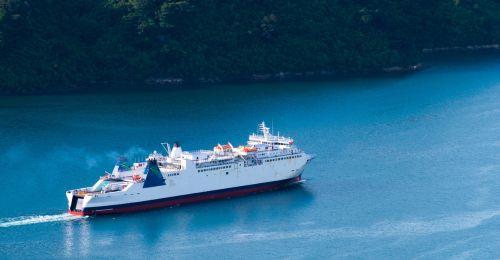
(56, 45)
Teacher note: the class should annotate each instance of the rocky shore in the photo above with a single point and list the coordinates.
(463, 48)
(269, 77)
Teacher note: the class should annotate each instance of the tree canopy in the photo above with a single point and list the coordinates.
(52, 45)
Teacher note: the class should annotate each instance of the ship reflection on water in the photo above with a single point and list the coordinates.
(177, 226)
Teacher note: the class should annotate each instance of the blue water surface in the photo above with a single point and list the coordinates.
(407, 167)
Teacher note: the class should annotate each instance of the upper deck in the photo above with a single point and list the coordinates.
(259, 146)
(268, 138)
(262, 149)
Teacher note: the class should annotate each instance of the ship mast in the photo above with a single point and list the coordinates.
(264, 130)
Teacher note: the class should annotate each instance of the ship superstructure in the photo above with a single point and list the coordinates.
(266, 162)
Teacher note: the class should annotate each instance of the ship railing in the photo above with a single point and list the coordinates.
(176, 169)
(199, 151)
(82, 191)
(269, 154)
(213, 163)
(270, 138)
(216, 159)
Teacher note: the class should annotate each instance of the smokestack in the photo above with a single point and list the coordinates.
(176, 151)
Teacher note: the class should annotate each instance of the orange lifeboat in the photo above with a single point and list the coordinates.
(248, 149)
(222, 147)
(136, 177)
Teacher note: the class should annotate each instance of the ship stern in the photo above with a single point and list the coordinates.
(76, 202)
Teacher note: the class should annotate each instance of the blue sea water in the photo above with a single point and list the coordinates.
(406, 167)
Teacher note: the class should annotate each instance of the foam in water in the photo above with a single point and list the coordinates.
(28, 220)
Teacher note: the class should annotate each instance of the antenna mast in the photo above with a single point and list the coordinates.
(167, 148)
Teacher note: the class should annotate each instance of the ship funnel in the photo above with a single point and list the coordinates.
(153, 174)
(120, 166)
(176, 151)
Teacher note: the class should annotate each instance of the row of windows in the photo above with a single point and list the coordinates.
(173, 174)
(284, 158)
(216, 168)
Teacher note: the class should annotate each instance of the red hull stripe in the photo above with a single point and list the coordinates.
(185, 199)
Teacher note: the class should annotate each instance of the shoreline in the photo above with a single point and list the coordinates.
(322, 74)
(462, 48)
(173, 82)
(283, 76)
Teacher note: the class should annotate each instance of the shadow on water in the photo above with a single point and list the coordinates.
(152, 225)
(280, 87)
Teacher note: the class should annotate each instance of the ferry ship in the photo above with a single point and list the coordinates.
(266, 162)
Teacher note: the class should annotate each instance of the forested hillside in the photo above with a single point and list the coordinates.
(53, 45)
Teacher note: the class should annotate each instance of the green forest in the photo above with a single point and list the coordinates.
(60, 45)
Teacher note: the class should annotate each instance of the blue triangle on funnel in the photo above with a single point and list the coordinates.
(153, 175)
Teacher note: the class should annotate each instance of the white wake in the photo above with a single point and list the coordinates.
(29, 220)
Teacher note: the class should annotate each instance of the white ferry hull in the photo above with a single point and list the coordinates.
(187, 199)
